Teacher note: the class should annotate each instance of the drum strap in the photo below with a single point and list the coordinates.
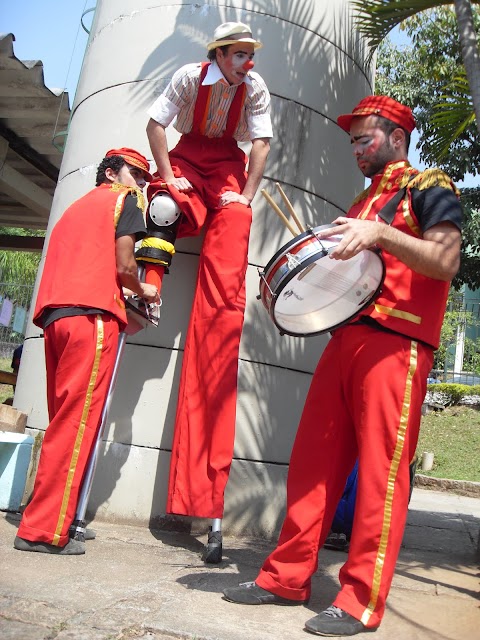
(387, 213)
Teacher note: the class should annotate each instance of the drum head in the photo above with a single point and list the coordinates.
(322, 294)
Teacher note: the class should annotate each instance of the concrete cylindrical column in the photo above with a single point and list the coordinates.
(314, 64)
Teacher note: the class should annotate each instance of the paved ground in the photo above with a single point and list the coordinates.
(137, 583)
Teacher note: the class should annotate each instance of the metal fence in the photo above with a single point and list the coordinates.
(14, 309)
(461, 351)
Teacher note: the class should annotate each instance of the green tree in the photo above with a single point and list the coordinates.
(469, 273)
(418, 75)
(376, 18)
(455, 317)
(18, 268)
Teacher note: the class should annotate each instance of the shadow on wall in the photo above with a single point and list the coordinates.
(306, 61)
(118, 437)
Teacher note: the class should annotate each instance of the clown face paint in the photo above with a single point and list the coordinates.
(371, 146)
(236, 62)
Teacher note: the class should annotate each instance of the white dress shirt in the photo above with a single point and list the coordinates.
(179, 98)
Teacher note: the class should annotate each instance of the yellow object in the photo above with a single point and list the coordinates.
(157, 243)
(433, 178)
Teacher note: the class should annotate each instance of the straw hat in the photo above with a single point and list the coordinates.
(231, 33)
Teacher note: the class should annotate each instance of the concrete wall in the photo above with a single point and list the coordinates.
(313, 63)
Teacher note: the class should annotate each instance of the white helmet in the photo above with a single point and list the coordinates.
(163, 210)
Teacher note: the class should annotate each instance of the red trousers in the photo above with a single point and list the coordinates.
(80, 354)
(364, 401)
(204, 433)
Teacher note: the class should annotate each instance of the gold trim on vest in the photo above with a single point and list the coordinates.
(414, 228)
(396, 313)
(380, 189)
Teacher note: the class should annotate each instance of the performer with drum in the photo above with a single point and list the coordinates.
(81, 309)
(216, 105)
(366, 394)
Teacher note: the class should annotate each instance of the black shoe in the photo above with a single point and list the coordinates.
(251, 593)
(72, 548)
(335, 622)
(336, 541)
(212, 554)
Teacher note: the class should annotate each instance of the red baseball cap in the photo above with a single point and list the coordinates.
(134, 158)
(380, 106)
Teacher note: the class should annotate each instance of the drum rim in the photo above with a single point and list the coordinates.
(310, 232)
(286, 277)
(294, 272)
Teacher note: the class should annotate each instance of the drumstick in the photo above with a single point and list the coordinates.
(278, 211)
(290, 208)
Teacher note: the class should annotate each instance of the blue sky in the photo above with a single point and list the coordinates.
(51, 31)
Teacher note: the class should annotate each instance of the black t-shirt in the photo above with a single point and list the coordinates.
(130, 222)
(435, 205)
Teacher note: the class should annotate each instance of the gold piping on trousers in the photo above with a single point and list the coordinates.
(392, 475)
(81, 430)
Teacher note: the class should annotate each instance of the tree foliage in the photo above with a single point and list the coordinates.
(469, 273)
(425, 75)
(376, 18)
(417, 75)
(18, 268)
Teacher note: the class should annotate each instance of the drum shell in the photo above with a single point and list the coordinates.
(305, 253)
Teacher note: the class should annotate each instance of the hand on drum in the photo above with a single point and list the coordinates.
(357, 236)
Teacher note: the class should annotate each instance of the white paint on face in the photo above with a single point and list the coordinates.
(231, 63)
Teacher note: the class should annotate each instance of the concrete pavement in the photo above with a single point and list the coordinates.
(152, 585)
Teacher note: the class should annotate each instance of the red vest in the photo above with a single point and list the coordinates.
(409, 303)
(80, 265)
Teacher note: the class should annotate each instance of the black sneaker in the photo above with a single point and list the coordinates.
(335, 622)
(251, 593)
(336, 541)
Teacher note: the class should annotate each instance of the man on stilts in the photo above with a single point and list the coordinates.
(217, 104)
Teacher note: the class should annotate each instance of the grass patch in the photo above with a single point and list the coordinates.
(454, 437)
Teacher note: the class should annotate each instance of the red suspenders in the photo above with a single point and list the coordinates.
(202, 106)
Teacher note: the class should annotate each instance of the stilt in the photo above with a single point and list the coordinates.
(213, 549)
(77, 529)
(138, 319)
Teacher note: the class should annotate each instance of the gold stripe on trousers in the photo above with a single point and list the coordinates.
(392, 475)
(81, 430)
